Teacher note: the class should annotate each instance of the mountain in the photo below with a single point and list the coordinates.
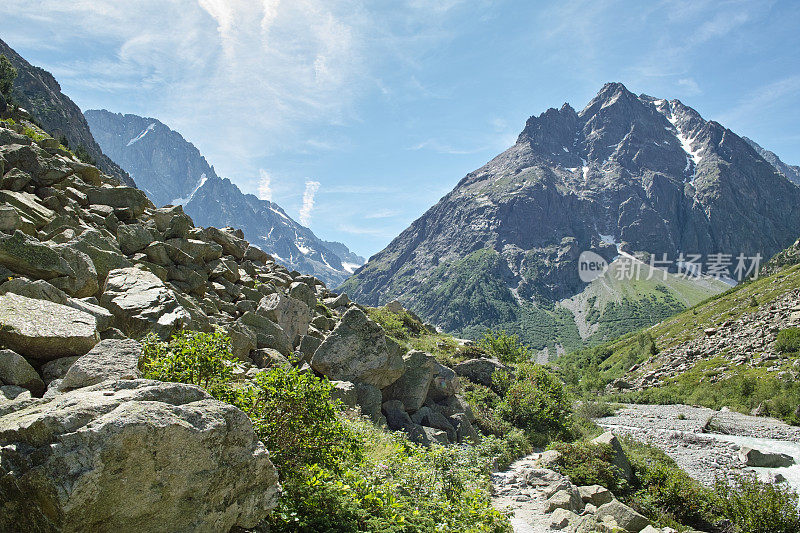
(712, 354)
(792, 172)
(39, 93)
(171, 170)
(626, 174)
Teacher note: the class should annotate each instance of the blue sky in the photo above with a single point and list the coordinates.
(386, 105)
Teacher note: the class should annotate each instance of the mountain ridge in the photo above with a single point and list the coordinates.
(173, 171)
(38, 91)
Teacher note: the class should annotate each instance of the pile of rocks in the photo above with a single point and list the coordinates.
(91, 266)
(748, 340)
(541, 500)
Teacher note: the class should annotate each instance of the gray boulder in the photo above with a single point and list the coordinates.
(619, 459)
(42, 330)
(133, 238)
(480, 370)
(356, 350)
(624, 516)
(303, 292)
(292, 315)
(109, 359)
(757, 458)
(444, 384)
(597, 495)
(15, 370)
(268, 334)
(132, 456)
(27, 256)
(140, 303)
(119, 198)
(412, 387)
(57, 368)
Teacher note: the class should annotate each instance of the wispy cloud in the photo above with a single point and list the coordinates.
(264, 185)
(308, 202)
(762, 98)
(383, 213)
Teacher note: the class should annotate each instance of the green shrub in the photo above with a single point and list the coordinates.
(788, 340)
(593, 409)
(589, 464)
(293, 415)
(536, 403)
(757, 507)
(84, 156)
(507, 348)
(667, 494)
(398, 487)
(392, 323)
(189, 357)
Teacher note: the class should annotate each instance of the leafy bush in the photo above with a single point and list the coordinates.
(397, 487)
(293, 415)
(757, 507)
(788, 340)
(507, 348)
(665, 493)
(189, 357)
(589, 464)
(536, 403)
(593, 409)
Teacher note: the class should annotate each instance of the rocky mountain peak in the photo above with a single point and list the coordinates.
(628, 173)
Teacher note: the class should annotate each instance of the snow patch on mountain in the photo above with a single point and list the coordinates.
(141, 135)
(184, 201)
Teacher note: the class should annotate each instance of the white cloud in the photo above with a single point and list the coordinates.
(308, 202)
(264, 185)
(690, 86)
(383, 213)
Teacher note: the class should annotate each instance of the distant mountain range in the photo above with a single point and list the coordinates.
(38, 92)
(171, 170)
(628, 176)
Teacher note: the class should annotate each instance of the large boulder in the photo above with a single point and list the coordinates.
(84, 282)
(133, 238)
(119, 198)
(625, 517)
(42, 290)
(140, 303)
(42, 330)
(109, 359)
(292, 315)
(619, 459)
(268, 334)
(15, 370)
(480, 370)
(356, 350)
(444, 384)
(25, 255)
(132, 456)
(44, 169)
(757, 458)
(412, 387)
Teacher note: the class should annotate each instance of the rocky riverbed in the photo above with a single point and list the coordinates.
(704, 442)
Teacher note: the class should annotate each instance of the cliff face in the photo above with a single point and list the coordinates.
(625, 174)
(37, 91)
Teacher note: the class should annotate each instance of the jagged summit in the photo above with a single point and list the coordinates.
(171, 170)
(628, 173)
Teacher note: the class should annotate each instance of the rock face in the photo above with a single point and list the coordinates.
(37, 91)
(173, 171)
(140, 302)
(141, 454)
(356, 350)
(627, 173)
(109, 359)
(43, 330)
(15, 370)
